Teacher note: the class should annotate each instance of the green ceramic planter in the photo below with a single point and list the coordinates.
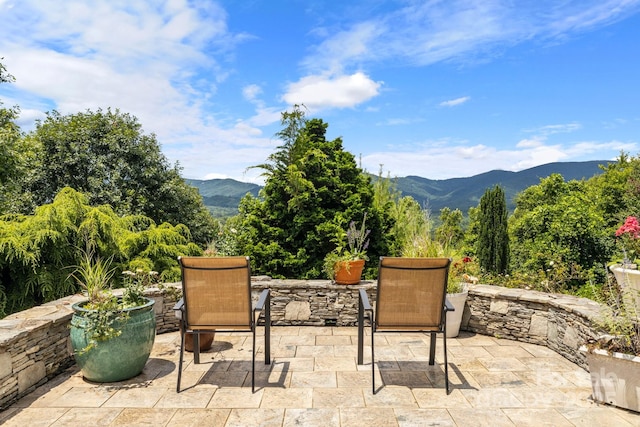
(119, 358)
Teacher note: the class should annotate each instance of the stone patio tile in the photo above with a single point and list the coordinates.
(479, 417)
(95, 417)
(548, 364)
(333, 363)
(189, 379)
(360, 379)
(508, 351)
(467, 364)
(314, 379)
(284, 330)
(287, 398)
(400, 352)
(224, 379)
(526, 417)
(314, 351)
(497, 379)
(197, 397)
(255, 417)
(579, 377)
(333, 340)
(596, 416)
(312, 417)
(138, 417)
(338, 398)
(389, 397)
(236, 397)
(468, 351)
(346, 351)
(578, 397)
(544, 379)
(491, 398)
(199, 417)
(316, 330)
(33, 417)
(503, 364)
(469, 339)
(538, 350)
(283, 351)
(421, 417)
(144, 397)
(540, 397)
(406, 339)
(83, 397)
(297, 364)
(409, 379)
(437, 398)
(297, 340)
(367, 417)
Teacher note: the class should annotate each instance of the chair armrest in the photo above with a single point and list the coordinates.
(448, 306)
(364, 300)
(178, 309)
(262, 300)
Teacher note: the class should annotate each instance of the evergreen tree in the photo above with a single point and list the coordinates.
(492, 247)
(312, 191)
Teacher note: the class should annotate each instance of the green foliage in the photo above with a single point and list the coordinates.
(351, 244)
(106, 155)
(492, 247)
(557, 230)
(36, 250)
(313, 189)
(450, 232)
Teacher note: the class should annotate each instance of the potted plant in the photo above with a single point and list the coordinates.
(111, 336)
(457, 291)
(345, 263)
(626, 273)
(614, 356)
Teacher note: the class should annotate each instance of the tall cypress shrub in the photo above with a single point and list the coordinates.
(493, 240)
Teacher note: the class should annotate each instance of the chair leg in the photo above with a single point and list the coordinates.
(253, 361)
(432, 349)
(182, 335)
(446, 364)
(373, 364)
(360, 332)
(196, 347)
(267, 332)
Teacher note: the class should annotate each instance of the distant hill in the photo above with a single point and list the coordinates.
(463, 193)
(222, 196)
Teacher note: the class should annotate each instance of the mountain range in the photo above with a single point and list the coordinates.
(222, 196)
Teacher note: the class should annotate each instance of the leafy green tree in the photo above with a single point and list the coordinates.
(38, 252)
(106, 155)
(313, 190)
(14, 154)
(450, 232)
(492, 248)
(557, 227)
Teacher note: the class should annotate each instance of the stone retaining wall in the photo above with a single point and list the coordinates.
(35, 347)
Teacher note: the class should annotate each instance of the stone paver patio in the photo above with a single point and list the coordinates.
(314, 381)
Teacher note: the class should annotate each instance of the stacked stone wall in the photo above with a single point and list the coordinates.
(35, 347)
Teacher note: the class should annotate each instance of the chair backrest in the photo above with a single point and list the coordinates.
(216, 292)
(411, 293)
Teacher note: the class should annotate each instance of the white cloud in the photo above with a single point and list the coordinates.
(443, 159)
(455, 102)
(424, 33)
(318, 92)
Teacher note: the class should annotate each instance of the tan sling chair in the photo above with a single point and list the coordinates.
(217, 296)
(411, 297)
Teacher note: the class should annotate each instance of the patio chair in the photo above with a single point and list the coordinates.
(411, 297)
(217, 296)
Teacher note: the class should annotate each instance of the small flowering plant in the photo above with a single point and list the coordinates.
(629, 237)
(353, 249)
(461, 272)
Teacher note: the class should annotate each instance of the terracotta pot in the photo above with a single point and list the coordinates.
(206, 341)
(350, 272)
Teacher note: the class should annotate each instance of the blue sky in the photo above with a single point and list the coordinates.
(439, 89)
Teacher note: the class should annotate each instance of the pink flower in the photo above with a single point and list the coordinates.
(630, 227)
